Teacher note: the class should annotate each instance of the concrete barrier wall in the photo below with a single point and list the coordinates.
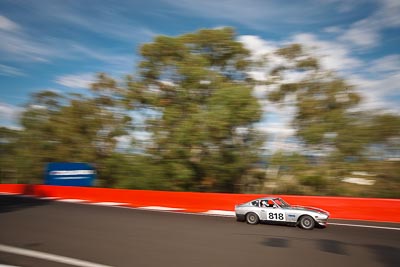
(371, 209)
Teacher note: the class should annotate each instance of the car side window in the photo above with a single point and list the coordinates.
(263, 204)
(255, 203)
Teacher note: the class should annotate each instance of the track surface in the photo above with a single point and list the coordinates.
(128, 237)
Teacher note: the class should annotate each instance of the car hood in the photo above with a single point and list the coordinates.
(309, 209)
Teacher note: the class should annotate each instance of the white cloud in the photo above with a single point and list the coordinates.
(380, 93)
(9, 115)
(105, 19)
(7, 24)
(109, 24)
(337, 56)
(294, 76)
(82, 80)
(117, 63)
(10, 71)
(367, 32)
(16, 44)
(278, 136)
(19, 46)
(258, 46)
(238, 11)
(379, 84)
(7, 110)
(390, 63)
(333, 29)
(362, 34)
(277, 125)
(271, 15)
(388, 15)
(112, 59)
(377, 81)
(333, 55)
(262, 51)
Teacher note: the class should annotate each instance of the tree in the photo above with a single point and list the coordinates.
(324, 103)
(8, 140)
(73, 128)
(203, 133)
(329, 119)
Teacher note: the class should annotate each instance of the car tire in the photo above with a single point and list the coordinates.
(306, 222)
(252, 218)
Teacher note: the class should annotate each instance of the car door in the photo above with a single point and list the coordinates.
(273, 212)
(263, 209)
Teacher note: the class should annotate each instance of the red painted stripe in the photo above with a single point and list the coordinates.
(371, 209)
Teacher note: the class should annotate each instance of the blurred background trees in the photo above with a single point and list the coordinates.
(203, 136)
(341, 143)
(186, 121)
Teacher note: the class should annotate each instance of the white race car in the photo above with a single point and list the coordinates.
(274, 209)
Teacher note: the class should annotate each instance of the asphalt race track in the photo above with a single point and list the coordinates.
(128, 237)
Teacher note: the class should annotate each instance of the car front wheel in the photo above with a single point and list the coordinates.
(252, 218)
(307, 222)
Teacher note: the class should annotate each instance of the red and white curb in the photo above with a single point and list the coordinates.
(223, 213)
(219, 213)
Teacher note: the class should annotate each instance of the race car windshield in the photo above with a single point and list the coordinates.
(281, 203)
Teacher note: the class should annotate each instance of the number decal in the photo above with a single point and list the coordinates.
(275, 216)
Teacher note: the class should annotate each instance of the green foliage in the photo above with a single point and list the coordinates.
(69, 128)
(204, 134)
(194, 99)
(324, 105)
(199, 113)
(8, 148)
(327, 120)
(318, 182)
(291, 51)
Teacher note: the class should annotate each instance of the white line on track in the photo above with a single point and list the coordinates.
(365, 226)
(71, 200)
(160, 208)
(109, 203)
(228, 214)
(49, 257)
(220, 212)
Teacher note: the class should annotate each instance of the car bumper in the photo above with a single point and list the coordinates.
(322, 222)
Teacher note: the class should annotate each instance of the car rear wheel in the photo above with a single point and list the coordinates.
(252, 218)
(307, 222)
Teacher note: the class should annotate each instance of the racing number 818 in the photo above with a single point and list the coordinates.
(276, 216)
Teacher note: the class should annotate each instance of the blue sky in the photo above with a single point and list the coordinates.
(58, 45)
